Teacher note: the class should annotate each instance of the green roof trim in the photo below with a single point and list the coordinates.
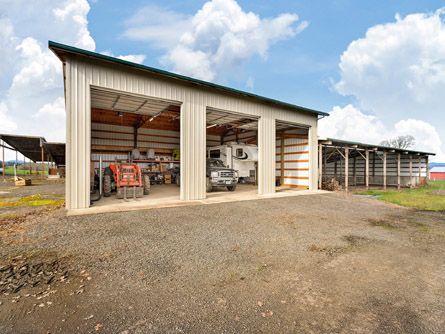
(382, 148)
(54, 46)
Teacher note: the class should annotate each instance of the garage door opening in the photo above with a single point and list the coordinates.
(232, 154)
(135, 148)
(292, 156)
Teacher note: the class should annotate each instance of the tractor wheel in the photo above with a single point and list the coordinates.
(209, 186)
(178, 180)
(146, 184)
(231, 188)
(107, 185)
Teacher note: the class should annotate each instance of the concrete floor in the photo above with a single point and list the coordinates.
(167, 195)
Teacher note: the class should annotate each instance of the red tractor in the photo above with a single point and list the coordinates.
(126, 179)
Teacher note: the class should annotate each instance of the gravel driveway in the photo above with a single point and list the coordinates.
(308, 264)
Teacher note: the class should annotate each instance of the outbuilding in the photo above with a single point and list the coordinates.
(437, 173)
(115, 108)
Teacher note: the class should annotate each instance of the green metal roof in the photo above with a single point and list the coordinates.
(59, 48)
(363, 145)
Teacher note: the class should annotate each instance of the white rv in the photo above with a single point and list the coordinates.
(238, 156)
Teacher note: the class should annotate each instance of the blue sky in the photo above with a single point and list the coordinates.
(388, 82)
(298, 70)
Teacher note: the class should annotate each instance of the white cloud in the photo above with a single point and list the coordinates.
(215, 41)
(427, 137)
(135, 58)
(397, 72)
(74, 14)
(398, 69)
(7, 125)
(250, 84)
(7, 43)
(349, 123)
(31, 81)
(159, 26)
(139, 59)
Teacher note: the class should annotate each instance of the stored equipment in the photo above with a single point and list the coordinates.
(126, 179)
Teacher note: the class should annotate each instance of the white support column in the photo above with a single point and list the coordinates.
(367, 169)
(411, 170)
(3, 161)
(398, 170)
(313, 157)
(384, 170)
(354, 171)
(420, 170)
(320, 166)
(78, 137)
(266, 154)
(346, 168)
(193, 150)
(427, 169)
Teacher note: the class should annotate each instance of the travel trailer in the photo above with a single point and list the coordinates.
(238, 156)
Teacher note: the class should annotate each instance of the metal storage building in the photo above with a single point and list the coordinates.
(190, 116)
(359, 164)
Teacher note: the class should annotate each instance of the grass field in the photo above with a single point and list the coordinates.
(9, 170)
(430, 197)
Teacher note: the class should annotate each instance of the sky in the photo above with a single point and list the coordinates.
(378, 67)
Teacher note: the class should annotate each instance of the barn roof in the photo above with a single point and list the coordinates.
(341, 142)
(31, 147)
(62, 50)
(437, 169)
(57, 152)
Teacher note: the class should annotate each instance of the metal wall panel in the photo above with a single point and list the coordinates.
(193, 150)
(82, 73)
(266, 154)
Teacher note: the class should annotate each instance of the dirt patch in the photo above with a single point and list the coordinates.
(19, 273)
(328, 250)
(439, 192)
(389, 225)
(351, 240)
(356, 240)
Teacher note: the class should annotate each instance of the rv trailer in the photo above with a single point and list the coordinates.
(238, 156)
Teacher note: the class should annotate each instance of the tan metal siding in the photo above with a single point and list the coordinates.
(193, 150)
(266, 154)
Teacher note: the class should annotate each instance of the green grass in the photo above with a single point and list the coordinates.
(9, 170)
(430, 197)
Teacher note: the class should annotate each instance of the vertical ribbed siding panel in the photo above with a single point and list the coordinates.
(78, 137)
(266, 154)
(193, 149)
(69, 139)
(313, 158)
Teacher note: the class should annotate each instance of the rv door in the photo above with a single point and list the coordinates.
(229, 156)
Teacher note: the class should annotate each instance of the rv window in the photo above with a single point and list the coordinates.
(239, 153)
(215, 154)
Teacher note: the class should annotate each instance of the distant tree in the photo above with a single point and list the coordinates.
(403, 142)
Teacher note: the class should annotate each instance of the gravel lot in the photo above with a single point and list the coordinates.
(309, 264)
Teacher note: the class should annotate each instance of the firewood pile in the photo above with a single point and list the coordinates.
(331, 185)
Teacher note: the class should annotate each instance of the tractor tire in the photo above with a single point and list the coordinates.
(209, 186)
(146, 182)
(107, 185)
(231, 188)
(178, 180)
